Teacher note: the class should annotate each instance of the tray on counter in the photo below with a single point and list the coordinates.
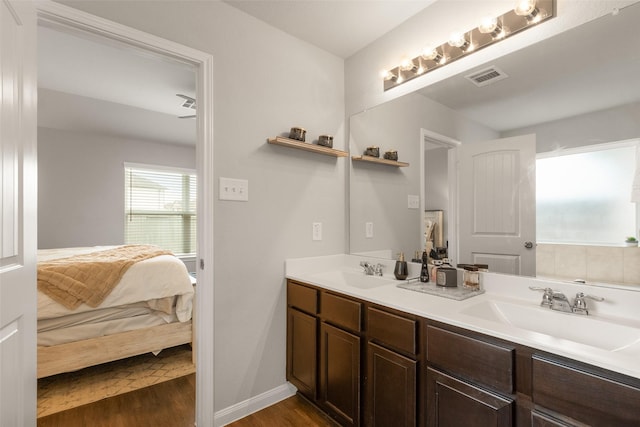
(457, 293)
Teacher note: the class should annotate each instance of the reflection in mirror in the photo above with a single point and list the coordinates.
(579, 88)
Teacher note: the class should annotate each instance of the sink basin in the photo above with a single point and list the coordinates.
(354, 278)
(591, 331)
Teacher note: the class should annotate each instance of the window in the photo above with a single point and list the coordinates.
(160, 207)
(583, 195)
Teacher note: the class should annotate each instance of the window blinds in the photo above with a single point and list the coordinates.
(160, 208)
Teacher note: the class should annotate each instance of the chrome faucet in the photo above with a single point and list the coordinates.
(370, 269)
(378, 270)
(558, 301)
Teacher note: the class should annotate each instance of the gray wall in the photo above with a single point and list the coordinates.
(81, 184)
(378, 194)
(265, 82)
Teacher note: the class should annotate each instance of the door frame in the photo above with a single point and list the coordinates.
(428, 138)
(64, 18)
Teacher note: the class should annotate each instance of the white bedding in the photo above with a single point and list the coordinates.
(115, 321)
(154, 280)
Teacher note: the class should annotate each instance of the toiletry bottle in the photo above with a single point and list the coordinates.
(424, 271)
(401, 271)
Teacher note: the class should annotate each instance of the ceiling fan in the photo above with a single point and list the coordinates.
(189, 102)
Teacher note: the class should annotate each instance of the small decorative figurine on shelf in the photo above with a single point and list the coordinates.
(325, 141)
(391, 155)
(298, 134)
(372, 151)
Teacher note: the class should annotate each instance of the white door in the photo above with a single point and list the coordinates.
(18, 238)
(497, 204)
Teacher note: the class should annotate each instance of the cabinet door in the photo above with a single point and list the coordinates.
(340, 374)
(302, 352)
(391, 388)
(584, 396)
(453, 403)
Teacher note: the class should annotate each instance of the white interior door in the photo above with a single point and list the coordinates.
(18, 239)
(497, 204)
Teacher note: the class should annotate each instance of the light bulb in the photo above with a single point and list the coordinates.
(457, 40)
(433, 55)
(429, 53)
(488, 25)
(407, 65)
(525, 7)
(387, 75)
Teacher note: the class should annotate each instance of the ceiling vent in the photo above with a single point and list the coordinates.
(487, 76)
(187, 102)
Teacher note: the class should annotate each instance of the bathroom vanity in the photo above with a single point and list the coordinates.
(369, 353)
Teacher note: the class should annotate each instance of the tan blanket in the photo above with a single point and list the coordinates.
(91, 277)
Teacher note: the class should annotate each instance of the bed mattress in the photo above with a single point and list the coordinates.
(152, 292)
(152, 280)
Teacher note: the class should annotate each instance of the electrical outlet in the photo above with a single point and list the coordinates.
(413, 201)
(317, 231)
(234, 189)
(368, 227)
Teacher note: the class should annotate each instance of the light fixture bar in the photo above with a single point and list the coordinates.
(465, 44)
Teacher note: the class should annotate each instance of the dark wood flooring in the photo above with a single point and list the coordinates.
(172, 404)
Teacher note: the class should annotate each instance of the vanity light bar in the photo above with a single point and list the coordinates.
(489, 31)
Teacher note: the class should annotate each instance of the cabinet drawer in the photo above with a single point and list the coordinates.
(584, 396)
(302, 297)
(476, 360)
(395, 331)
(341, 311)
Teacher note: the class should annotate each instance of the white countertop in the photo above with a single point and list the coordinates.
(621, 308)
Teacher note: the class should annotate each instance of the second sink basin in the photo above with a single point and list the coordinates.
(587, 330)
(353, 278)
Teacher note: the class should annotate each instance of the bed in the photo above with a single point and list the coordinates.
(143, 305)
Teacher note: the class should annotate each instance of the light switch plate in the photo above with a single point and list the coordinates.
(234, 189)
(368, 227)
(317, 231)
(413, 201)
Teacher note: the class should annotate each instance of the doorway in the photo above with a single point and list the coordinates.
(438, 189)
(59, 17)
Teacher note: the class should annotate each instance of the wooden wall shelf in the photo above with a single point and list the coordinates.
(371, 159)
(320, 149)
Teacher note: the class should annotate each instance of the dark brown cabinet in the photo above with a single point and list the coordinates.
(340, 343)
(370, 365)
(302, 352)
(469, 381)
(302, 338)
(340, 374)
(580, 395)
(392, 369)
(391, 388)
(453, 403)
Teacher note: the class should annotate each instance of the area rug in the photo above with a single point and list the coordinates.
(65, 391)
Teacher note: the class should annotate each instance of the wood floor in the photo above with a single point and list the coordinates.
(172, 404)
(292, 412)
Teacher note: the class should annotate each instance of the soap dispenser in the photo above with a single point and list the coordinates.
(401, 271)
(424, 271)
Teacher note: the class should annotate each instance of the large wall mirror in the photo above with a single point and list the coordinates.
(576, 92)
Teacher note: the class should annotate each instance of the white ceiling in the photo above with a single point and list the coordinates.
(89, 86)
(341, 27)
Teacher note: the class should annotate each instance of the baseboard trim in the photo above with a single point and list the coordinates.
(254, 404)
